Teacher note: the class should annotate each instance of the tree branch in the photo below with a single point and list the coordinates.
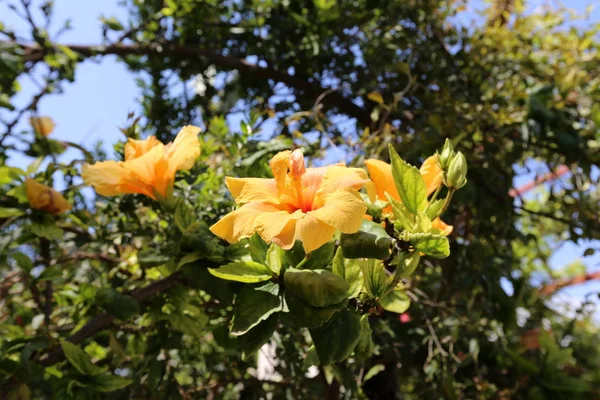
(560, 284)
(34, 53)
(550, 176)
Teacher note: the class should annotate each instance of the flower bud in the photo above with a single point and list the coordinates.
(456, 177)
(446, 155)
(42, 125)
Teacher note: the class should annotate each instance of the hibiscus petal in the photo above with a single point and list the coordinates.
(110, 178)
(137, 148)
(339, 178)
(267, 220)
(313, 233)
(279, 166)
(182, 153)
(343, 210)
(381, 174)
(442, 226)
(432, 174)
(246, 190)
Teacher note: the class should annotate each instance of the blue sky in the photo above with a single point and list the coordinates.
(104, 92)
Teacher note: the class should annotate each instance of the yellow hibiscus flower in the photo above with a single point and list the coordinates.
(42, 125)
(381, 174)
(149, 167)
(45, 198)
(306, 204)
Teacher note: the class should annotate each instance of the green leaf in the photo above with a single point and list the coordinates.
(50, 273)
(365, 346)
(11, 212)
(274, 258)
(407, 264)
(184, 216)
(436, 246)
(258, 248)
(10, 174)
(349, 270)
(318, 259)
(311, 358)
(371, 241)
(257, 336)
(46, 230)
(374, 276)
(409, 182)
(149, 259)
(34, 166)
(336, 340)
(23, 261)
(434, 209)
(396, 301)
(255, 303)
(305, 315)
(319, 288)
(190, 324)
(374, 370)
(243, 271)
(189, 258)
(403, 216)
(108, 383)
(79, 359)
(120, 305)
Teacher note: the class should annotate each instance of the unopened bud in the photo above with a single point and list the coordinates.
(446, 155)
(456, 177)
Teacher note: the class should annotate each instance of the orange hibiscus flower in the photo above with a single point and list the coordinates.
(149, 167)
(306, 204)
(381, 174)
(45, 198)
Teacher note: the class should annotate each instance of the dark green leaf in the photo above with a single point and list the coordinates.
(371, 241)
(23, 261)
(349, 270)
(46, 229)
(120, 305)
(255, 303)
(317, 259)
(305, 315)
(108, 383)
(319, 288)
(336, 340)
(257, 336)
(79, 359)
(365, 346)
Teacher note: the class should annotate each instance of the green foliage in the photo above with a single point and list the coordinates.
(319, 287)
(243, 271)
(161, 308)
(371, 241)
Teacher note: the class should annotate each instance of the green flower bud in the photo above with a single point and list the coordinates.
(456, 176)
(446, 155)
